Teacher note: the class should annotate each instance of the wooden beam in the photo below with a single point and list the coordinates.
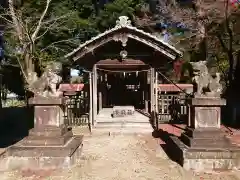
(163, 49)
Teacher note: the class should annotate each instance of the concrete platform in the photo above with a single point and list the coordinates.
(132, 124)
(20, 156)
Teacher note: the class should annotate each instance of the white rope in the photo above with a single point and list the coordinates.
(122, 71)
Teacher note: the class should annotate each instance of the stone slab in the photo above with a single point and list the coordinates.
(47, 140)
(122, 111)
(205, 137)
(205, 158)
(46, 101)
(204, 132)
(46, 157)
(48, 131)
(207, 101)
(210, 142)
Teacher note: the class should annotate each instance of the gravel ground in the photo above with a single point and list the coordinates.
(120, 158)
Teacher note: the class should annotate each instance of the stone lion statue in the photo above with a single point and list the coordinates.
(207, 85)
(46, 85)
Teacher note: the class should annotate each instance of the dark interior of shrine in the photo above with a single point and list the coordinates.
(126, 88)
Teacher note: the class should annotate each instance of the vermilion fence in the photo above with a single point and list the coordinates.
(76, 112)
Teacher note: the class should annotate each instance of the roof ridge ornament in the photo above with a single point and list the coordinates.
(123, 21)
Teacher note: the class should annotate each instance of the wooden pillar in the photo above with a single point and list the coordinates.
(90, 100)
(94, 93)
(189, 116)
(100, 89)
(152, 99)
(146, 99)
(156, 91)
(100, 100)
(146, 105)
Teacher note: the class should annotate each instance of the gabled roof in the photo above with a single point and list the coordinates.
(124, 25)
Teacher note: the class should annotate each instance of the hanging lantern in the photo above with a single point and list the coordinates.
(124, 74)
(136, 73)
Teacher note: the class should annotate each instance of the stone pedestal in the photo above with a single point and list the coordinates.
(50, 144)
(203, 146)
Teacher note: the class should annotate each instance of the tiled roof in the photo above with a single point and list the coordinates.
(123, 22)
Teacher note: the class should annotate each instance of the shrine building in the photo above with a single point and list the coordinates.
(126, 67)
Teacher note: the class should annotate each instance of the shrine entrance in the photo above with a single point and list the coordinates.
(121, 64)
(126, 89)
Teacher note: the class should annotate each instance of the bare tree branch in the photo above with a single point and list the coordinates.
(57, 18)
(5, 19)
(47, 29)
(57, 42)
(34, 35)
(15, 20)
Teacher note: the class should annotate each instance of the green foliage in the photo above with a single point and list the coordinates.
(108, 16)
(14, 103)
(66, 25)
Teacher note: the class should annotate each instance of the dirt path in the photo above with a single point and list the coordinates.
(124, 157)
(119, 158)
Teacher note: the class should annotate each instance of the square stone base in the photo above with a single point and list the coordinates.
(205, 158)
(205, 138)
(20, 156)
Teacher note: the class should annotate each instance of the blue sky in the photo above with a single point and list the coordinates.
(74, 72)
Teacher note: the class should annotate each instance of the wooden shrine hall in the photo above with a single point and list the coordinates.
(123, 65)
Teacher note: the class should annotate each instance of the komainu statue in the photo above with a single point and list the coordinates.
(207, 85)
(46, 85)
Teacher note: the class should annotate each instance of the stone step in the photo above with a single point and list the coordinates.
(121, 121)
(117, 131)
(123, 125)
(127, 117)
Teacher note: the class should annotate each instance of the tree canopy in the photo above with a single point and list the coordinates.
(39, 31)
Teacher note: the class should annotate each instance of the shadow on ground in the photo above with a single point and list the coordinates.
(168, 145)
(15, 123)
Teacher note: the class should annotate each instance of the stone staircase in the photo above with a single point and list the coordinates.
(135, 124)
